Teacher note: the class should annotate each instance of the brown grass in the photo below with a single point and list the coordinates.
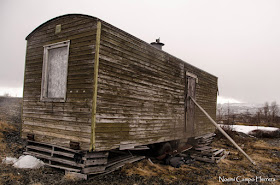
(234, 165)
(146, 169)
(16, 179)
(164, 172)
(69, 177)
(259, 158)
(4, 127)
(36, 183)
(262, 145)
(260, 151)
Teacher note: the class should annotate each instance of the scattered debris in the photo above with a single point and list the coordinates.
(176, 162)
(203, 152)
(150, 161)
(223, 132)
(200, 151)
(165, 149)
(205, 140)
(209, 154)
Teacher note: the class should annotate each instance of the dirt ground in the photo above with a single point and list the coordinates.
(266, 153)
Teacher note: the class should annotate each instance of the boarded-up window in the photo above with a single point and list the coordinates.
(54, 78)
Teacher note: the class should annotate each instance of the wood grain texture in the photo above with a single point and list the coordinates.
(141, 93)
(58, 122)
(95, 79)
(190, 109)
(140, 97)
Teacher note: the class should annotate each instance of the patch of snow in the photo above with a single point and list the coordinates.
(9, 160)
(28, 161)
(247, 129)
(224, 100)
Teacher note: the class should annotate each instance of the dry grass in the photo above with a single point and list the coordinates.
(259, 158)
(69, 177)
(36, 183)
(16, 179)
(167, 173)
(4, 127)
(260, 151)
(146, 169)
(202, 173)
(262, 145)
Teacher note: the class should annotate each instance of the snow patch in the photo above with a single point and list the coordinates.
(28, 161)
(24, 161)
(224, 100)
(247, 129)
(9, 160)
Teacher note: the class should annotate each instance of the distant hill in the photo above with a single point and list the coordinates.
(238, 108)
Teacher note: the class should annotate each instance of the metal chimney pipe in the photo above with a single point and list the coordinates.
(157, 44)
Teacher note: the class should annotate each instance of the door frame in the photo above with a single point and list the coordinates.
(187, 101)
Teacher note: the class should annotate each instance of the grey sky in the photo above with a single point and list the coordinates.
(238, 40)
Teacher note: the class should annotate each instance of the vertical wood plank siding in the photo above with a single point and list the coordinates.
(61, 122)
(206, 96)
(140, 89)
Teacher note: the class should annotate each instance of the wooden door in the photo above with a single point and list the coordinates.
(189, 104)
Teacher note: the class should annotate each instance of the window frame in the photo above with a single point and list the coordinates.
(45, 72)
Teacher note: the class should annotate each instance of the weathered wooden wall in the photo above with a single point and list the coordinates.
(61, 122)
(141, 93)
(140, 97)
(206, 96)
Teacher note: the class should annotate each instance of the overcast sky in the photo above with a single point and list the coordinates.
(238, 41)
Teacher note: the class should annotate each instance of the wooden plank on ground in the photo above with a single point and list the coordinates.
(120, 164)
(63, 168)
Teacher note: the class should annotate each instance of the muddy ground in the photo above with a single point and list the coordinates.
(266, 152)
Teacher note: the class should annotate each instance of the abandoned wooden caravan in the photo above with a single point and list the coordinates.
(90, 87)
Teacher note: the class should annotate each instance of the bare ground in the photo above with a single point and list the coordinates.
(266, 152)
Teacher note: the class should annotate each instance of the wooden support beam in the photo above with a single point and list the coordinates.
(222, 131)
(95, 79)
